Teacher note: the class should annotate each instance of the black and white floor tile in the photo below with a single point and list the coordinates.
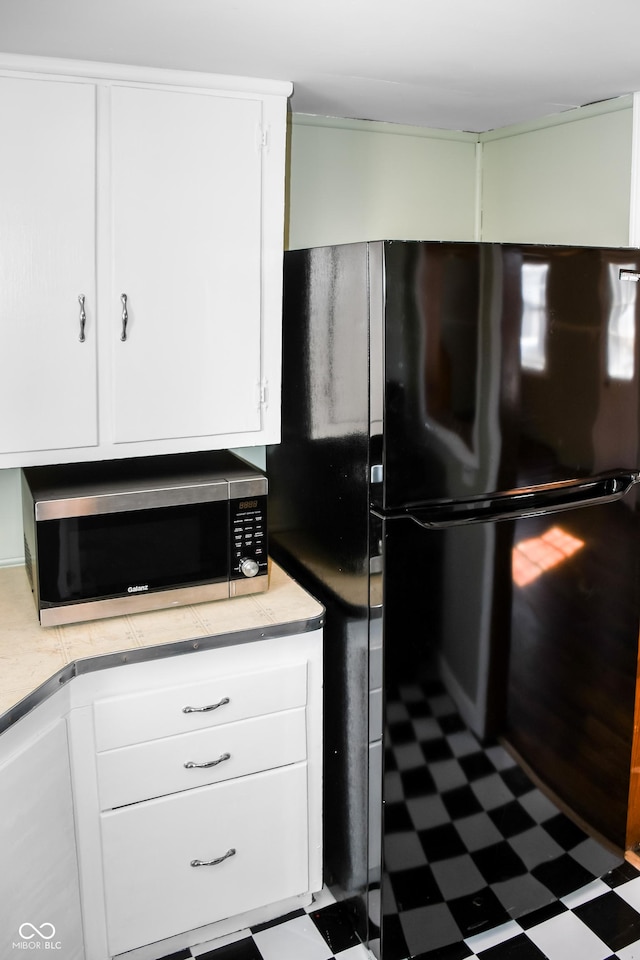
(321, 931)
(601, 921)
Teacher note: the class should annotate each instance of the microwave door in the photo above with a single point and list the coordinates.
(122, 554)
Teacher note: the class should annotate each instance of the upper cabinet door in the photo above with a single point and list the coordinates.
(47, 261)
(185, 224)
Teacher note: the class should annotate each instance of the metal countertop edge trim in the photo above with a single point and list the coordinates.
(162, 651)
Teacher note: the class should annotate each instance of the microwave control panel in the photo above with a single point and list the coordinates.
(248, 541)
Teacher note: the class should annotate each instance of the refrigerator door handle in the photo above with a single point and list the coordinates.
(546, 498)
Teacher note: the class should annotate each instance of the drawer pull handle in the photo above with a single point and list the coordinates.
(211, 706)
(212, 863)
(210, 763)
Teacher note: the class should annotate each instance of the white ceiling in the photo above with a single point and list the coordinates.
(454, 64)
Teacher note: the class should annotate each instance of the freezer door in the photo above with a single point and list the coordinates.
(507, 366)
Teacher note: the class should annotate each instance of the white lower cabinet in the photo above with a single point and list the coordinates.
(186, 860)
(198, 793)
(39, 888)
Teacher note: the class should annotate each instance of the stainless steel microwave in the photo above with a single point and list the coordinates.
(116, 537)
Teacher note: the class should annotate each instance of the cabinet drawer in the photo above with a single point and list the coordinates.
(146, 770)
(152, 889)
(154, 714)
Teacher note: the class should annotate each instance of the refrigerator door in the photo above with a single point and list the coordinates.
(523, 633)
(507, 366)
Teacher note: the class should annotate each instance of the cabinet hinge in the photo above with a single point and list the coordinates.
(263, 138)
(263, 393)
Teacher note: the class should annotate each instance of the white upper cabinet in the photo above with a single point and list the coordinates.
(48, 376)
(185, 214)
(158, 197)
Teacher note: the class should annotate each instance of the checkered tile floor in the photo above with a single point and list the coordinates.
(322, 931)
(506, 875)
(599, 922)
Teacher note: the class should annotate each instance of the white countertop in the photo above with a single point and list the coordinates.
(30, 654)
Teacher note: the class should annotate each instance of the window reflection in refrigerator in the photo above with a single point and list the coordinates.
(532, 557)
(621, 325)
(533, 334)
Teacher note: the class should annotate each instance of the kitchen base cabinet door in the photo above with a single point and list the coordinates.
(184, 861)
(39, 886)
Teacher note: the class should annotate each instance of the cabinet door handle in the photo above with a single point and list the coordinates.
(212, 863)
(83, 318)
(191, 765)
(125, 316)
(211, 706)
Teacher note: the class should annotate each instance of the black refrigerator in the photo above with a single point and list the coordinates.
(458, 483)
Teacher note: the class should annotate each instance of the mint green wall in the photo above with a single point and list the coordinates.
(566, 179)
(11, 550)
(357, 180)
